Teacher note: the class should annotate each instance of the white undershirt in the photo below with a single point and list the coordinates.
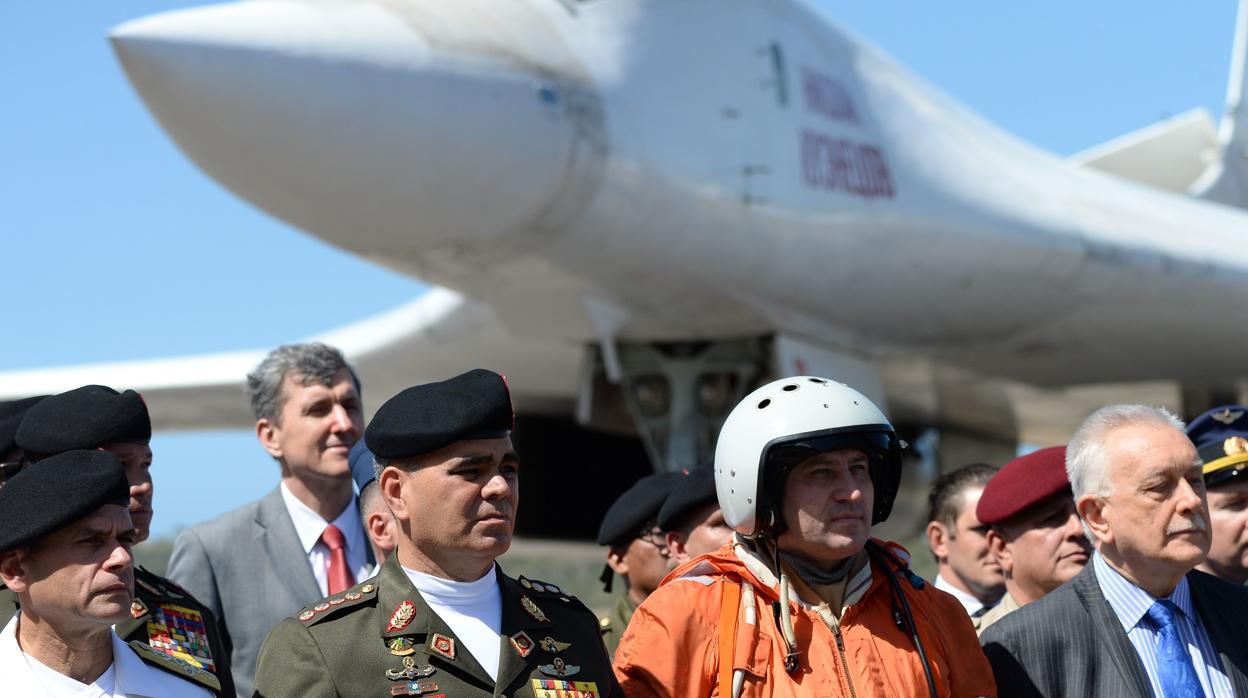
(309, 526)
(473, 610)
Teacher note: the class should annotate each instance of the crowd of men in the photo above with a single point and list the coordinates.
(1111, 566)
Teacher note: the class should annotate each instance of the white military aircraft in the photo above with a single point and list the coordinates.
(686, 198)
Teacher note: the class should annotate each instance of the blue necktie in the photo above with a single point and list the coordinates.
(1174, 664)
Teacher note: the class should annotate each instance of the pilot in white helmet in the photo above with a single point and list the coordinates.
(803, 601)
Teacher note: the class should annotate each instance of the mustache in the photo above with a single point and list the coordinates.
(1196, 523)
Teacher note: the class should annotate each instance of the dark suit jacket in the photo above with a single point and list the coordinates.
(248, 567)
(1070, 643)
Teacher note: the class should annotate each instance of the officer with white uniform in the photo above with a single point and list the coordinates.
(65, 550)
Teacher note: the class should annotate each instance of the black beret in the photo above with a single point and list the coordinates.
(84, 418)
(639, 504)
(425, 418)
(361, 461)
(57, 491)
(11, 414)
(691, 491)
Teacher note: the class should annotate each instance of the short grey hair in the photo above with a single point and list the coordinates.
(1087, 463)
(309, 363)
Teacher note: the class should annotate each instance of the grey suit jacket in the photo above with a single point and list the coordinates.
(1070, 643)
(248, 566)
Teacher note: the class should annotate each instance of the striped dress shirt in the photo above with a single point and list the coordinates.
(1131, 603)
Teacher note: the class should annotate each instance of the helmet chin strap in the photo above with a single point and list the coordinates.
(767, 547)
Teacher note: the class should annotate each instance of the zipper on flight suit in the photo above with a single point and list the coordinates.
(835, 626)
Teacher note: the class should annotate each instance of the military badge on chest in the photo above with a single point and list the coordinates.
(178, 632)
(410, 671)
(418, 687)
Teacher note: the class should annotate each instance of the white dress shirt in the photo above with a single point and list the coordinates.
(473, 610)
(1131, 604)
(969, 602)
(309, 526)
(127, 677)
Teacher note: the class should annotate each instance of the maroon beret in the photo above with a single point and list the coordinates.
(1023, 482)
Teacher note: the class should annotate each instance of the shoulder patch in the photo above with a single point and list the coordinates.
(175, 666)
(329, 605)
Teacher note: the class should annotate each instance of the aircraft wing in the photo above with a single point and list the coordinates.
(437, 335)
(1170, 155)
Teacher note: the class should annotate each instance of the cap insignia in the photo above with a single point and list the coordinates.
(1235, 445)
(1227, 416)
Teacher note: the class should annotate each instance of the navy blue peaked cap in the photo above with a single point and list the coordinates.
(1221, 439)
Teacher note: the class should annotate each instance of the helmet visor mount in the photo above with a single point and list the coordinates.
(878, 441)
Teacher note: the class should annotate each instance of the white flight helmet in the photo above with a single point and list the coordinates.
(785, 422)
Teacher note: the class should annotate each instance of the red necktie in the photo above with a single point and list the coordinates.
(340, 577)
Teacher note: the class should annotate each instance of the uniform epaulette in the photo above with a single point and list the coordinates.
(546, 590)
(327, 606)
(158, 585)
(175, 666)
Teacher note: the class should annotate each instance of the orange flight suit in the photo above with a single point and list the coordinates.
(672, 645)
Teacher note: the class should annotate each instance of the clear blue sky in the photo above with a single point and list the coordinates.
(116, 247)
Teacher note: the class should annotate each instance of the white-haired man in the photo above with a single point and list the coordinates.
(1138, 621)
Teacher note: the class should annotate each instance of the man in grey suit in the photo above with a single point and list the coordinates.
(264, 561)
(1138, 621)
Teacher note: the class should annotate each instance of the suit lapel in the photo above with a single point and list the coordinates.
(282, 545)
(433, 639)
(1108, 633)
(1225, 628)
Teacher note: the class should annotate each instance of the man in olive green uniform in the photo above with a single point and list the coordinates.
(637, 550)
(441, 618)
(163, 615)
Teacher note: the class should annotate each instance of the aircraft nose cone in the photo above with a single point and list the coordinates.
(366, 123)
